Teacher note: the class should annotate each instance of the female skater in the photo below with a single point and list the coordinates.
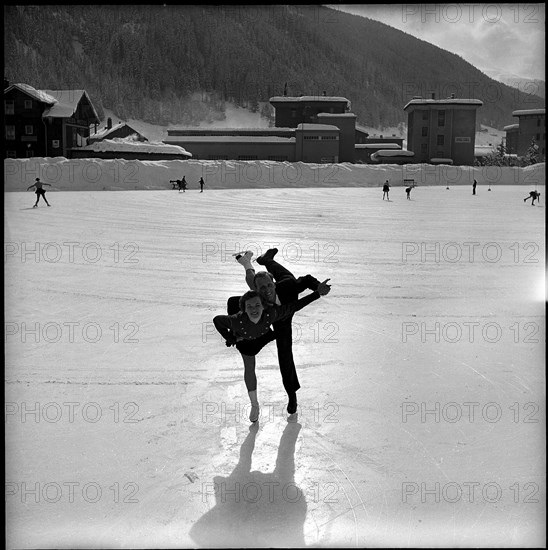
(40, 191)
(249, 330)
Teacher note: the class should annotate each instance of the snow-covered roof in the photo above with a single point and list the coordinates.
(103, 132)
(309, 127)
(122, 145)
(449, 101)
(442, 160)
(511, 127)
(394, 153)
(307, 98)
(276, 130)
(63, 103)
(338, 115)
(378, 146)
(40, 95)
(227, 139)
(66, 103)
(362, 129)
(524, 112)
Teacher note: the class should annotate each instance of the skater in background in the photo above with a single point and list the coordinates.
(474, 187)
(181, 184)
(408, 191)
(279, 286)
(40, 192)
(535, 195)
(249, 330)
(202, 183)
(385, 190)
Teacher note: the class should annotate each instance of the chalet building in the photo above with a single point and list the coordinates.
(120, 130)
(442, 129)
(45, 123)
(532, 125)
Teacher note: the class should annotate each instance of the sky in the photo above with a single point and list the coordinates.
(496, 38)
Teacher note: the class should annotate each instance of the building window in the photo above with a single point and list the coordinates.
(10, 132)
(55, 143)
(538, 121)
(441, 118)
(11, 154)
(424, 131)
(29, 129)
(441, 140)
(28, 103)
(30, 153)
(9, 107)
(311, 137)
(278, 158)
(538, 137)
(217, 157)
(293, 113)
(329, 137)
(425, 115)
(424, 148)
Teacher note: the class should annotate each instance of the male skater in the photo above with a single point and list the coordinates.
(279, 286)
(535, 195)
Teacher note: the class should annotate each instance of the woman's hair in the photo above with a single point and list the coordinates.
(248, 296)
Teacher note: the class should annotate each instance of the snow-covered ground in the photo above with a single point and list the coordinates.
(118, 174)
(421, 419)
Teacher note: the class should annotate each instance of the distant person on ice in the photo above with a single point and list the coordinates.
(182, 184)
(39, 191)
(247, 329)
(535, 195)
(385, 190)
(408, 191)
(279, 286)
(202, 183)
(474, 187)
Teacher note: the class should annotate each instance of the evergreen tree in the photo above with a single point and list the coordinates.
(532, 153)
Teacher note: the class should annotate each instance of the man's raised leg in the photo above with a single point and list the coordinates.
(278, 271)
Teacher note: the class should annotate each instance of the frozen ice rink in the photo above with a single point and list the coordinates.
(421, 416)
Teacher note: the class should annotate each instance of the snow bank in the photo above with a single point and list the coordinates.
(119, 174)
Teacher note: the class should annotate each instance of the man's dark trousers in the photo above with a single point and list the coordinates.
(288, 289)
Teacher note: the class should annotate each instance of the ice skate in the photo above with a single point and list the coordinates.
(242, 254)
(268, 255)
(292, 404)
(254, 414)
